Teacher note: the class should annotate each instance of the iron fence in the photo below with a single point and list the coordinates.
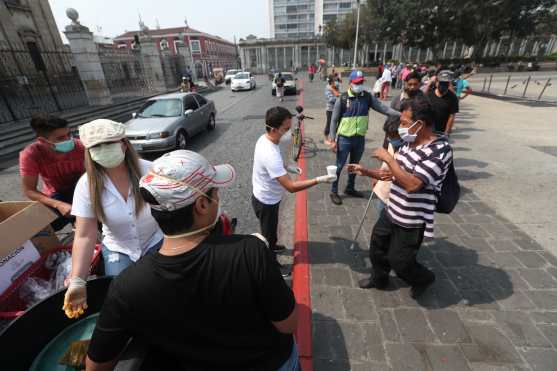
(34, 80)
(536, 86)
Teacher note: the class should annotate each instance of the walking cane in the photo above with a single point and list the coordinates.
(361, 222)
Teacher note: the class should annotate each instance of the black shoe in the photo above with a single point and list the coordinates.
(335, 198)
(353, 193)
(418, 290)
(278, 247)
(368, 283)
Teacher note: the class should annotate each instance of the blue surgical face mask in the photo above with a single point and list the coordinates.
(65, 146)
(357, 88)
(396, 143)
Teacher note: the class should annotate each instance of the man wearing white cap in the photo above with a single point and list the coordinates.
(204, 301)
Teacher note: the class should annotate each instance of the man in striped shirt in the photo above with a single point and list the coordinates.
(418, 170)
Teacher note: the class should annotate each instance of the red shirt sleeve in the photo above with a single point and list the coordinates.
(28, 165)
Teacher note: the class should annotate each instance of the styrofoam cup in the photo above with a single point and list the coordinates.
(331, 170)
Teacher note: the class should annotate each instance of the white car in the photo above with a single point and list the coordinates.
(242, 81)
(289, 83)
(229, 75)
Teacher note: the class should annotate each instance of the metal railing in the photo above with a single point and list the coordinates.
(530, 87)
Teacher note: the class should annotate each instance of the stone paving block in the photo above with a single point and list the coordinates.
(479, 299)
(474, 230)
(446, 358)
(538, 278)
(506, 260)
(413, 325)
(357, 366)
(355, 345)
(515, 300)
(457, 258)
(530, 259)
(374, 341)
(389, 298)
(490, 345)
(482, 219)
(472, 315)
(475, 366)
(334, 276)
(446, 293)
(504, 245)
(405, 357)
(317, 276)
(516, 281)
(543, 299)
(481, 208)
(320, 253)
(550, 332)
(520, 329)
(447, 326)
(327, 301)
(388, 325)
(479, 245)
(358, 304)
(552, 271)
(528, 244)
(497, 230)
(544, 317)
(463, 208)
(552, 259)
(320, 338)
(330, 365)
(541, 359)
(450, 230)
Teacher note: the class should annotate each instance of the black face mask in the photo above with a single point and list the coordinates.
(412, 93)
(443, 88)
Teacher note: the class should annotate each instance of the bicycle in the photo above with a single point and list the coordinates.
(297, 142)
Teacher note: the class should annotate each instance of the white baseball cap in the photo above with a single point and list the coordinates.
(101, 131)
(178, 178)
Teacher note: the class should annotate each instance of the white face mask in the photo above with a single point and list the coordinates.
(108, 155)
(197, 231)
(405, 133)
(357, 88)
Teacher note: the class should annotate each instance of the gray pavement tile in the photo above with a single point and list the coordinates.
(443, 219)
(541, 359)
(475, 366)
(327, 301)
(317, 276)
(463, 208)
(516, 300)
(544, 317)
(450, 230)
(358, 304)
(479, 245)
(320, 338)
(446, 358)
(320, 253)
(387, 298)
(474, 230)
(520, 329)
(413, 325)
(552, 259)
(531, 259)
(457, 258)
(354, 342)
(472, 315)
(388, 325)
(538, 278)
(479, 299)
(405, 357)
(497, 230)
(481, 208)
(483, 219)
(374, 341)
(462, 278)
(490, 345)
(448, 326)
(543, 299)
(504, 245)
(457, 218)
(516, 281)
(550, 332)
(334, 276)
(552, 271)
(528, 244)
(446, 293)
(330, 365)
(506, 260)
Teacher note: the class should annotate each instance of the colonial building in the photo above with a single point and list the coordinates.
(207, 51)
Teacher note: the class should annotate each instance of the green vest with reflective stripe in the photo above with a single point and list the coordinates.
(355, 114)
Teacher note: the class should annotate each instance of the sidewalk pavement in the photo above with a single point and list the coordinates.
(494, 303)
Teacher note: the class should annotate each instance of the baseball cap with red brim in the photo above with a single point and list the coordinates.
(356, 77)
(178, 178)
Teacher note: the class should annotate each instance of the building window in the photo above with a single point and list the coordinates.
(195, 46)
(345, 5)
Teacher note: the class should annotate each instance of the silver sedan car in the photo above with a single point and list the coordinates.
(167, 122)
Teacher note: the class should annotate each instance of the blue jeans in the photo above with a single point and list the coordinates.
(115, 262)
(292, 363)
(353, 146)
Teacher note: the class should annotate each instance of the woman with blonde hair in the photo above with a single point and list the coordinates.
(109, 194)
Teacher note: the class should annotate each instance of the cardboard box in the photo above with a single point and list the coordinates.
(21, 221)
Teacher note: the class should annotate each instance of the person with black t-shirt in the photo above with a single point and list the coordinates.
(443, 102)
(204, 301)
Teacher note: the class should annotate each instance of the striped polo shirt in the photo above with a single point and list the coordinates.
(430, 163)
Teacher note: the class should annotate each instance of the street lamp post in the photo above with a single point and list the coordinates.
(357, 31)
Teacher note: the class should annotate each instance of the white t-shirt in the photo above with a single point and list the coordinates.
(267, 167)
(387, 76)
(123, 231)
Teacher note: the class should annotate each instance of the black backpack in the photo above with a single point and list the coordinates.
(449, 195)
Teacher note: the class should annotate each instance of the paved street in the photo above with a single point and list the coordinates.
(494, 304)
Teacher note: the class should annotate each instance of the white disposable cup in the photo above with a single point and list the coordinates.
(332, 170)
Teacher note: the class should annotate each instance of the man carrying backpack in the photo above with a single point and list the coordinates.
(419, 169)
(351, 116)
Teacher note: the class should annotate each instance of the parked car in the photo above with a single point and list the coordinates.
(167, 122)
(229, 75)
(242, 81)
(289, 83)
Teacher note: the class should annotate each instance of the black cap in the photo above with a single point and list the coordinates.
(445, 76)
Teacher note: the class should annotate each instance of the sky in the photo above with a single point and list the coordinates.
(224, 18)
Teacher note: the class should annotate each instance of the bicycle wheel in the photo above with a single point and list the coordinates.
(295, 144)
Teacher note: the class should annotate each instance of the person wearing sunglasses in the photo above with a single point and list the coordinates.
(58, 160)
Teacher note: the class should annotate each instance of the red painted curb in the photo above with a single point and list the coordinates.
(301, 269)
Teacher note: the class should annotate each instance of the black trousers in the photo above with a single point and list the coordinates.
(395, 247)
(328, 123)
(268, 216)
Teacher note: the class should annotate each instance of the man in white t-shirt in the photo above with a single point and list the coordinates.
(270, 177)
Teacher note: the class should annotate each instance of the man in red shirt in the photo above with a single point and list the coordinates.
(58, 159)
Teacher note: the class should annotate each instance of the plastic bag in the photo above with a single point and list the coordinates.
(35, 289)
(63, 270)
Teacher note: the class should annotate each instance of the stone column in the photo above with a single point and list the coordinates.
(87, 60)
(152, 65)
